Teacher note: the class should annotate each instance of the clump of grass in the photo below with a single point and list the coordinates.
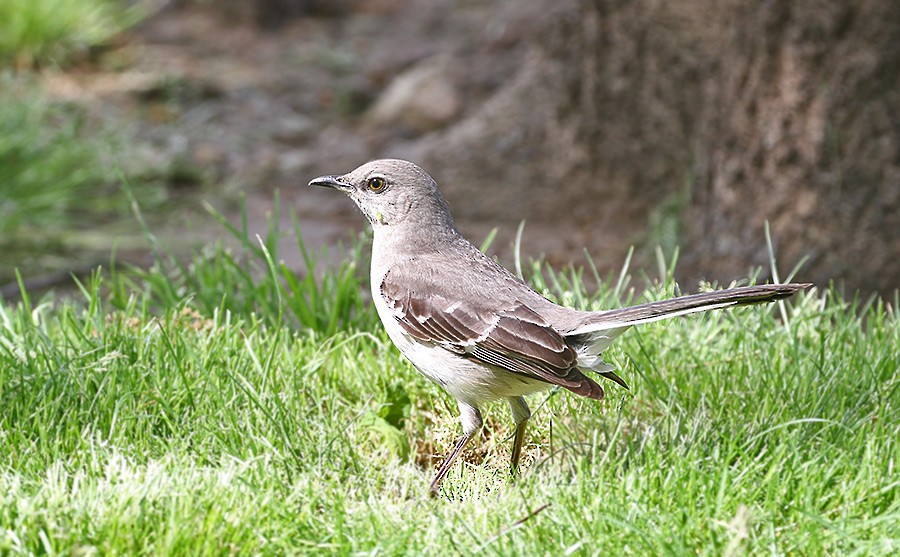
(250, 280)
(38, 32)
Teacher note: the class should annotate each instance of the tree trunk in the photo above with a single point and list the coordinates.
(695, 122)
(803, 130)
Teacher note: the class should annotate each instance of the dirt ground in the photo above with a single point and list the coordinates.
(252, 110)
(599, 128)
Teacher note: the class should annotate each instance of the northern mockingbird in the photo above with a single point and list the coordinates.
(470, 325)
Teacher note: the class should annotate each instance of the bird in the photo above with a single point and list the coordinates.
(474, 328)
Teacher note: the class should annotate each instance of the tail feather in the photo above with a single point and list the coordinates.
(654, 311)
(611, 375)
(599, 329)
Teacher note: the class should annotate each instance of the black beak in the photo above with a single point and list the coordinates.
(329, 182)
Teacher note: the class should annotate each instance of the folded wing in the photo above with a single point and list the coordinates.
(508, 335)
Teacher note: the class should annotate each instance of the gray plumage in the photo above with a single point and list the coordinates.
(470, 325)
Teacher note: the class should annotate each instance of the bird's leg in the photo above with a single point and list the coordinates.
(471, 422)
(520, 414)
(445, 467)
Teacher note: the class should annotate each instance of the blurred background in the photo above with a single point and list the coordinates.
(604, 124)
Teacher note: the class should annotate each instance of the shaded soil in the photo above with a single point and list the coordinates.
(248, 111)
(601, 124)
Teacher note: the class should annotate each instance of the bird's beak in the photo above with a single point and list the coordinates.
(330, 182)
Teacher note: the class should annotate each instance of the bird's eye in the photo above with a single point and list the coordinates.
(377, 184)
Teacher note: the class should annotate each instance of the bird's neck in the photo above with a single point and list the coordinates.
(408, 238)
(406, 241)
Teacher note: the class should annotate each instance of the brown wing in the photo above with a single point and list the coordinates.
(502, 333)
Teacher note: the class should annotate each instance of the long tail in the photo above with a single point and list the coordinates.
(599, 329)
(654, 311)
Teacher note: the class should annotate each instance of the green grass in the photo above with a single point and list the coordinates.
(40, 32)
(195, 409)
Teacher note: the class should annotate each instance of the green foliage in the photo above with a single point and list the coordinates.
(53, 31)
(46, 166)
(61, 203)
(176, 421)
(386, 424)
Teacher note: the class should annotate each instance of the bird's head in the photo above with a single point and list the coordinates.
(393, 193)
